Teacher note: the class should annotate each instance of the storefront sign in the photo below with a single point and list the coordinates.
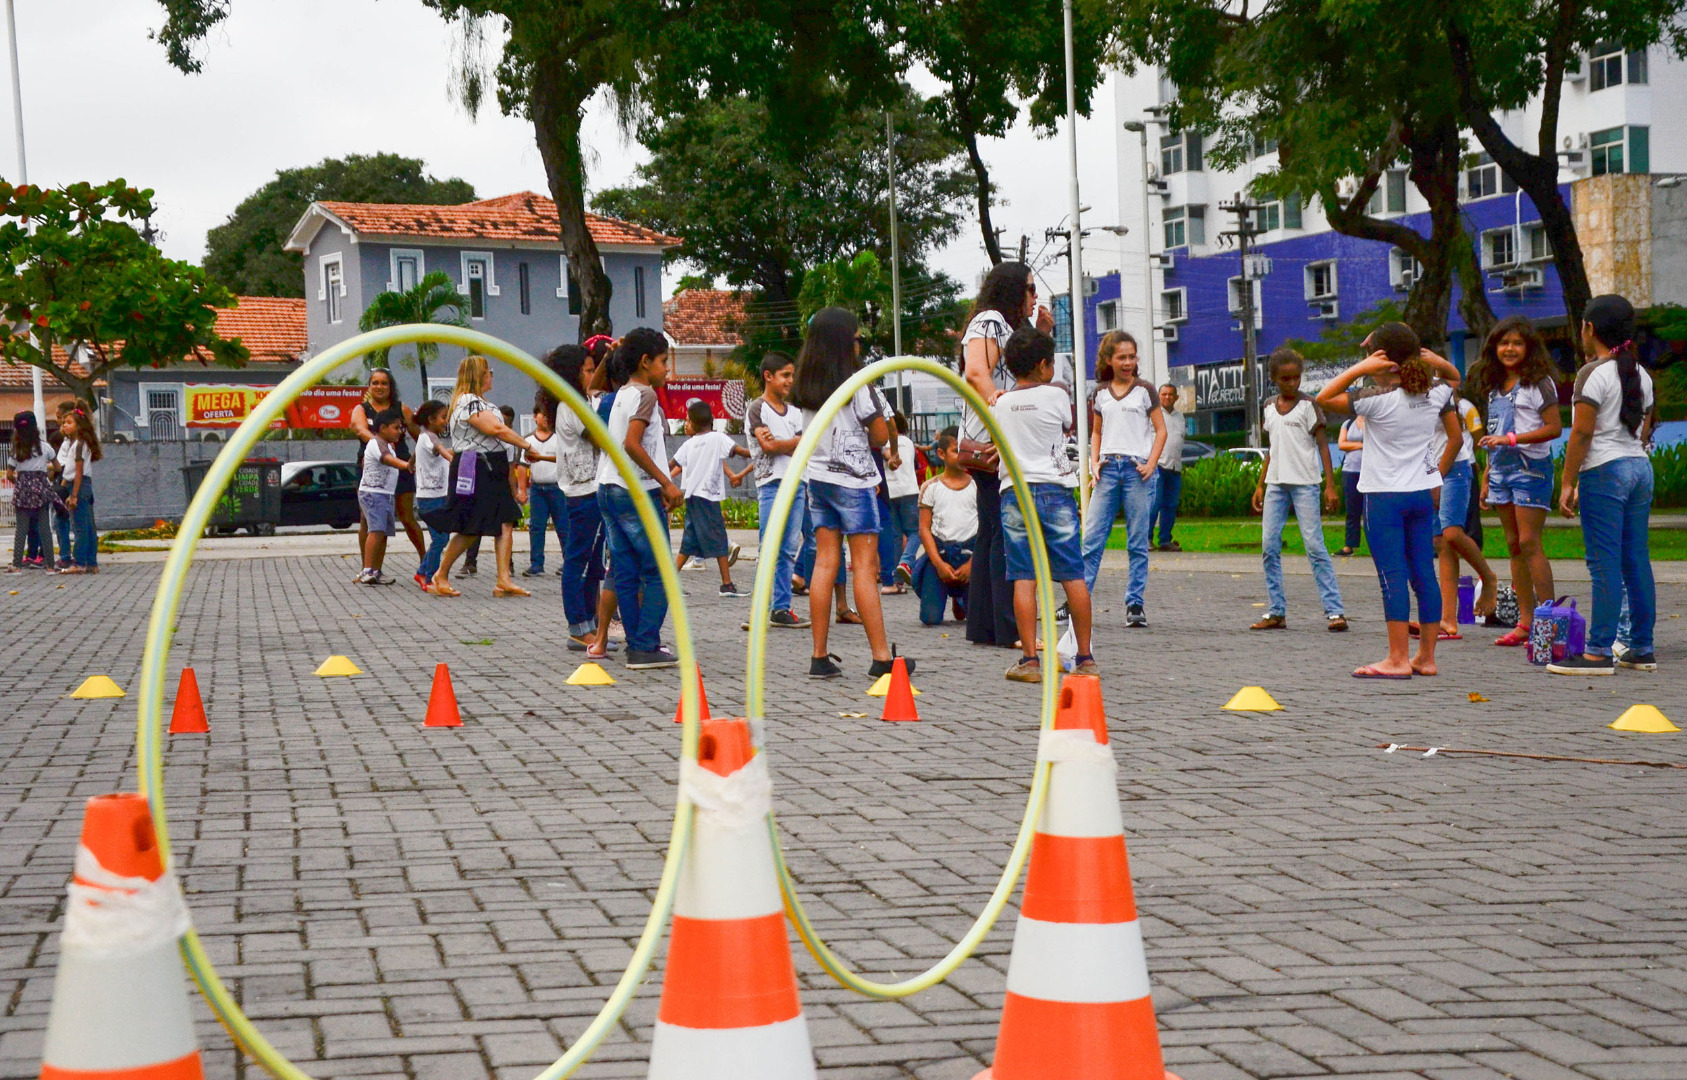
(1221, 386)
(324, 407)
(725, 397)
(226, 405)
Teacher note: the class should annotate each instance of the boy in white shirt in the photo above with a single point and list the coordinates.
(376, 493)
(1035, 417)
(899, 531)
(700, 465)
(948, 530)
(775, 428)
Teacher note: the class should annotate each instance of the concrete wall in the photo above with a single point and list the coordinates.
(138, 483)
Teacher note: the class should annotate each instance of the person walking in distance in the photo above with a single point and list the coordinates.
(432, 462)
(700, 466)
(378, 397)
(1351, 441)
(775, 428)
(1297, 464)
(1127, 436)
(481, 500)
(546, 506)
(376, 492)
(582, 523)
(32, 494)
(1171, 473)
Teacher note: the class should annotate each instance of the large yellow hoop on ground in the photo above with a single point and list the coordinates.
(755, 671)
(149, 722)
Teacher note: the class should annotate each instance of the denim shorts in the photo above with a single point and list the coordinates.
(1526, 484)
(379, 511)
(851, 511)
(1057, 511)
(705, 530)
(1455, 495)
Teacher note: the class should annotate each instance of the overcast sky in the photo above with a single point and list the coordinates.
(290, 82)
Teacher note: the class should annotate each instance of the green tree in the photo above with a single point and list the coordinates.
(434, 299)
(244, 253)
(76, 276)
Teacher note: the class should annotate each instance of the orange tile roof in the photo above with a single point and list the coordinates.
(704, 317)
(524, 215)
(18, 377)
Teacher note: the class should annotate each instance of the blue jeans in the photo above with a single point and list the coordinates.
(436, 539)
(633, 562)
(582, 563)
(934, 592)
(1119, 484)
(1165, 507)
(899, 535)
(546, 506)
(82, 543)
(61, 531)
(1303, 498)
(793, 540)
(1616, 500)
(1400, 527)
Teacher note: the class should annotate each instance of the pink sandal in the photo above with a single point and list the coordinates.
(1518, 635)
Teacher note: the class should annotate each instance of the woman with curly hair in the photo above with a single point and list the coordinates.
(1513, 380)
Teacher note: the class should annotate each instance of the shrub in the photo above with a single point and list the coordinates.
(1221, 486)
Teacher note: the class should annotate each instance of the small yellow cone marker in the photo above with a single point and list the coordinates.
(99, 686)
(338, 665)
(1253, 699)
(882, 687)
(1643, 718)
(590, 674)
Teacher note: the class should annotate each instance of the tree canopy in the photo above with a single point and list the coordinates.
(244, 253)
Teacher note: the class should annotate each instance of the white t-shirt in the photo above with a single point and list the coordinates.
(1034, 421)
(1294, 446)
(37, 463)
(1519, 411)
(635, 401)
(702, 462)
(990, 326)
(1352, 431)
(770, 468)
(69, 450)
(1171, 457)
(433, 472)
(1126, 427)
(1470, 421)
(954, 511)
(1599, 385)
(903, 481)
(576, 457)
(543, 472)
(1400, 437)
(844, 457)
(377, 474)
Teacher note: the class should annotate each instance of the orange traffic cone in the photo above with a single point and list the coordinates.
(702, 702)
(188, 717)
(899, 698)
(1077, 995)
(729, 996)
(120, 1007)
(442, 702)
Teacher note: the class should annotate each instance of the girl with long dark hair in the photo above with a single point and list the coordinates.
(576, 464)
(1513, 382)
(77, 455)
(32, 494)
(381, 395)
(1006, 301)
(1608, 475)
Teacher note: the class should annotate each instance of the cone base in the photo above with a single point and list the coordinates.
(1058, 1040)
(183, 1068)
(989, 1074)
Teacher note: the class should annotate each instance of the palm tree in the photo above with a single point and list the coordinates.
(426, 302)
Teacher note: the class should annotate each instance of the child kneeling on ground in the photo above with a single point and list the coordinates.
(1035, 416)
(948, 528)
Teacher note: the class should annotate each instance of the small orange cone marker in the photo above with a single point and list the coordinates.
(899, 699)
(120, 1007)
(729, 1007)
(188, 716)
(702, 702)
(1077, 996)
(442, 702)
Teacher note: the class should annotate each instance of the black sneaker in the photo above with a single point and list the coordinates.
(730, 589)
(824, 667)
(884, 667)
(1638, 661)
(1135, 616)
(788, 620)
(533, 571)
(1581, 665)
(1063, 613)
(640, 660)
(470, 569)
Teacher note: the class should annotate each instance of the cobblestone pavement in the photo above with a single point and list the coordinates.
(389, 900)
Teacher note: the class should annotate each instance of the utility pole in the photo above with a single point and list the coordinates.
(1154, 373)
(1243, 233)
(895, 258)
(1081, 399)
(1025, 247)
(39, 403)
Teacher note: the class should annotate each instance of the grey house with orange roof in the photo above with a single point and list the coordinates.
(506, 260)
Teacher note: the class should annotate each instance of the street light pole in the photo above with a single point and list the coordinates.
(1082, 399)
(39, 403)
(1155, 375)
(895, 258)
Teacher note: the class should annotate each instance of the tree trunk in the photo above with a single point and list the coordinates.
(557, 101)
(981, 173)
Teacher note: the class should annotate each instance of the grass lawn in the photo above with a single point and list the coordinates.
(1243, 535)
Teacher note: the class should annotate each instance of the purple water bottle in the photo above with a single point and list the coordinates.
(1467, 601)
(1541, 633)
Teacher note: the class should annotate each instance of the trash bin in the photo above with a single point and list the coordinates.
(252, 500)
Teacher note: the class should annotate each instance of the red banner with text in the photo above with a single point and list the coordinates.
(725, 397)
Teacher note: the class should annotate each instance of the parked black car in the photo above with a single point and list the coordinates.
(319, 493)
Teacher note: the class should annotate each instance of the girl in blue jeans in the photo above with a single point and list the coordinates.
(1127, 433)
(77, 455)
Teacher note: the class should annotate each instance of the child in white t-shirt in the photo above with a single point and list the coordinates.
(948, 530)
(700, 466)
(1035, 416)
(432, 462)
(376, 493)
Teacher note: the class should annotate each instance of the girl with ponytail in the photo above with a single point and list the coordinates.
(1608, 476)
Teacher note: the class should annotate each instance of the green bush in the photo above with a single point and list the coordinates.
(1669, 476)
(1221, 486)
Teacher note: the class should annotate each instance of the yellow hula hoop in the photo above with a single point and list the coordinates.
(149, 723)
(756, 669)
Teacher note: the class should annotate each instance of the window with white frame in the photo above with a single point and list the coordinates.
(1621, 149)
(1174, 305)
(638, 292)
(331, 286)
(1107, 316)
(523, 279)
(1390, 195)
(1320, 281)
(1184, 225)
(1484, 178)
(1180, 153)
(478, 283)
(1278, 214)
(407, 269)
(162, 411)
(1263, 145)
(1403, 270)
(1499, 248)
(1258, 298)
(570, 288)
(1608, 64)
(1537, 246)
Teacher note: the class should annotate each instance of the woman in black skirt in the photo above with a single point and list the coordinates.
(478, 438)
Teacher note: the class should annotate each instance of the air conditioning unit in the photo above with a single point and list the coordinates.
(1516, 281)
(1576, 70)
(1347, 187)
(1165, 260)
(1327, 310)
(1092, 286)
(1407, 278)
(1166, 333)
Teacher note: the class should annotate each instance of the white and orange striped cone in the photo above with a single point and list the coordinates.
(120, 1008)
(1077, 996)
(729, 1006)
